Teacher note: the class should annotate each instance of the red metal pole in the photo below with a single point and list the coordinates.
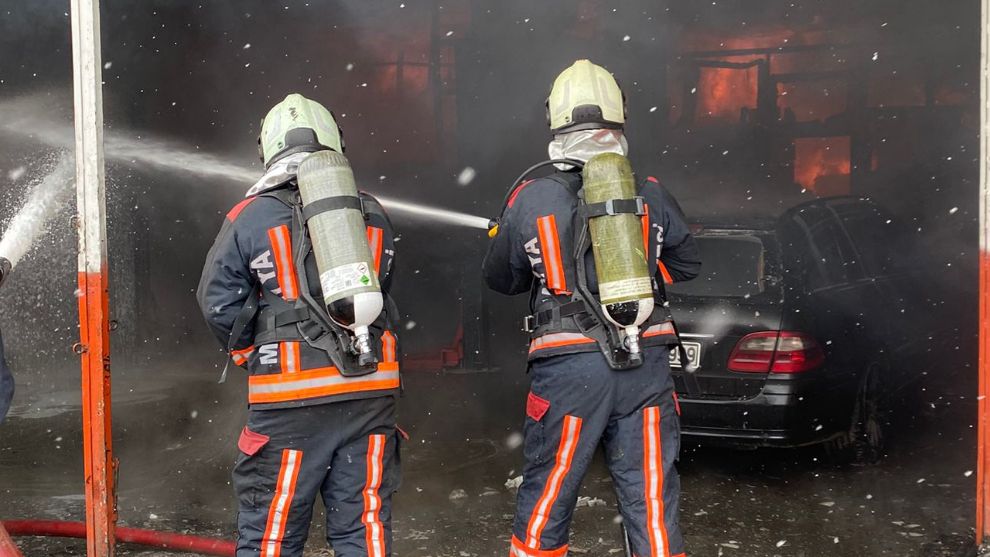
(983, 435)
(94, 330)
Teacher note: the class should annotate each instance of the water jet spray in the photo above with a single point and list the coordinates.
(28, 117)
(49, 196)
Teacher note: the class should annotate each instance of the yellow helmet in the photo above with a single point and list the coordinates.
(585, 96)
(297, 125)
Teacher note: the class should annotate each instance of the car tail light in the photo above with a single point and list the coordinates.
(777, 352)
(754, 353)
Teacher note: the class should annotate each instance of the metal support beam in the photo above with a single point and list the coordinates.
(94, 330)
(983, 441)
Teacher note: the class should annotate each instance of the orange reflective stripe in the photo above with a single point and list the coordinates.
(553, 340)
(388, 347)
(375, 242)
(550, 249)
(289, 357)
(356, 386)
(312, 383)
(317, 373)
(517, 549)
(667, 279)
(659, 329)
(278, 378)
(653, 474)
(241, 356)
(285, 489)
(282, 251)
(374, 529)
(646, 231)
(565, 456)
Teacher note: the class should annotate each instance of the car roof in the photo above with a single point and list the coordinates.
(744, 223)
(741, 225)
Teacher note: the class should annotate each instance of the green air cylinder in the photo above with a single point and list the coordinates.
(624, 283)
(340, 243)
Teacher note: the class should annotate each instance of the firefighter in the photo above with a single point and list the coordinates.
(6, 378)
(6, 384)
(312, 428)
(580, 395)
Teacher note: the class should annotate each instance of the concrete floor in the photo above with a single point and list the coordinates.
(176, 449)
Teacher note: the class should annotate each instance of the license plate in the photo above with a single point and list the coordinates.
(693, 350)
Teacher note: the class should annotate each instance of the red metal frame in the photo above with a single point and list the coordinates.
(99, 464)
(983, 435)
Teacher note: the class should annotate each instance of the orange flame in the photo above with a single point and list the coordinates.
(821, 164)
(724, 92)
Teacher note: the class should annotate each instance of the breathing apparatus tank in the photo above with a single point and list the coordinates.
(351, 291)
(624, 284)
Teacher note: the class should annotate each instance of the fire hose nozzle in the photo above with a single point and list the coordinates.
(493, 227)
(5, 268)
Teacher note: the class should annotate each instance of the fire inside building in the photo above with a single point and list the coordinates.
(840, 139)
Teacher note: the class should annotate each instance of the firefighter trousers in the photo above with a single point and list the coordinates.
(346, 452)
(575, 403)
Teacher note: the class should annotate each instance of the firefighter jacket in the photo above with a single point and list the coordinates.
(254, 255)
(6, 384)
(534, 251)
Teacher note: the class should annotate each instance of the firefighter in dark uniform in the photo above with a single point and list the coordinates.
(6, 384)
(6, 378)
(577, 400)
(311, 430)
(6, 396)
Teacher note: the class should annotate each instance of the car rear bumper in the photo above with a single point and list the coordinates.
(748, 438)
(790, 412)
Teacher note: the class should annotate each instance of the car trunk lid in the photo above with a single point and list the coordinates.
(737, 294)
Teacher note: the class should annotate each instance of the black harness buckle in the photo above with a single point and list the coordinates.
(636, 206)
(610, 207)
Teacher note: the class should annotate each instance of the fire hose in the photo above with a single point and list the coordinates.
(151, 538)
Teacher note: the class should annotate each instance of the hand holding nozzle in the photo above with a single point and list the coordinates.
(5, 268)
(493, 227)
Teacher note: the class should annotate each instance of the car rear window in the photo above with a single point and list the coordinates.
(731, 265)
